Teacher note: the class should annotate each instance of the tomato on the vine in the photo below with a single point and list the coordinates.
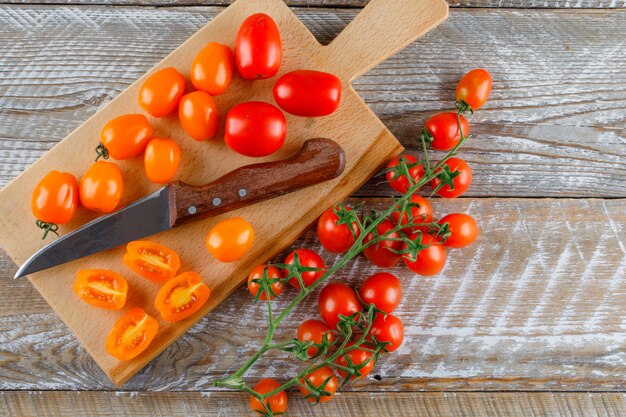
(336, 299)
(126, 136)
(461, 182)
(181, 297)
(101, 187)
(383, 290)
(198, 116)
(314, 331)
(230, 239)
(161, 160)
(160, 93)
(358, 357)
(273, 273)
(444, 130)
(101, 288)
(255, 128)
(131, 334)
(420, 212)
(309, 259)
(277, 403)
(381, 253)
(212, 69)
(430, 260)
(333, 236)
(463, 230)
(323, 379)
(258, 48)
(308, 93)
(474, 88)
(399, 181)
(55, 199)
(155, 262)
(388, 329)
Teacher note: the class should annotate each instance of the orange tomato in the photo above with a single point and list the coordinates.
(126, 136)
(161, 160)
(131, 334)
(230, 239)
(273, 273)
(181, 297)
(197, 113)
(152, 261)
(277, 403)
(322, 376)
(160, 93)
(101, 187)
(212, 69)
(55, 198)
(101, 288)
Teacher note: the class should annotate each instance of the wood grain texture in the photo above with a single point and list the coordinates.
(555, 125)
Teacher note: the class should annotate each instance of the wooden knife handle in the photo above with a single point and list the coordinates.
(318, 160)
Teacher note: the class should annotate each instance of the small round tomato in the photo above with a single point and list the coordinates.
(336, 299)
(463, 230)
(160, 93)
(255, 129)
(161, 160)
(258, 48)
(277, 403)
(359, 358)
(230, 239)
(131, 334)
(429, 261)
(197, 113)
(54, 200)
(181, 297)
(461, 182)
(101, 288)
(333, 236)
(309, 259)
(324, 380)
(381, 254)
(273, 273)
(101, 187)
(314, 331)
(126, 136)
(474, 88)
(155, 262)
(212, 69)
(444, 129)
(383, 290)
(397, 179)
(388, 329)
(308, 93)
(421, 212)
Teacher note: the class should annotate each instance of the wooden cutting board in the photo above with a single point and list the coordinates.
(380, 30)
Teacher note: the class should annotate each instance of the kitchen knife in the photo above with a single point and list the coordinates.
(318, 160)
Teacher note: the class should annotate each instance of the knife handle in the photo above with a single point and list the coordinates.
(318, 160)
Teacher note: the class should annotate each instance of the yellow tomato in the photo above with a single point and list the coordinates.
(230, 239)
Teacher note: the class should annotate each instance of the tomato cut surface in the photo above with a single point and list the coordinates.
(151, 260)
(101, 288)
(131, 334)
(181, 297)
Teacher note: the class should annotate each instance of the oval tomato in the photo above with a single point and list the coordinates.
(131, 334)
(324, 380)
(383, 290)
(421, 212)
(101, 187)
(160, 93)
(474, 88)
(388, 329)
(255, 129)
(198, 116)
(308, 93)
(273, 273)
(381, 254)
(359, 358)
(444, 129)
(463, 230)
(212, 69)
(161, 159)
(309, 259)
(461, 182)
(336, 299)
(155, 262)
(429, 261)
(277, 403)
(101, 288)
(54, 200)
(230, 239)
(335, 237)
(314, 331)
(258, 48)
(398, 179)
(181, 297)
(126, 136)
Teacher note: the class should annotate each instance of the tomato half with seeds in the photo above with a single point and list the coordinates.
(461, 182)
(258, 48)
(126, 136)
(277, 403)
(212, 69)
(307, 258)
(399, 181)
(334, 236)
(101, 288)
(181, 297)
(230, 239)
(273, 273)
(101, 187)
(308, 93)
(314, 331)
(474, 88)
(336, 299)
(444, 130)
(463, 230)
(55, 199)
(383, 290)
(151, 260)
(357, 357)
(420, 212)
(381, 253)
(388, 329)
(324, 380)
(198, 116)
(429, 261)
(161, 159)
(131, 334)
(160, 93)
(255, 128)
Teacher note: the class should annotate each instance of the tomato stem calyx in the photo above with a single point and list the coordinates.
(101, 152)
(47, 228)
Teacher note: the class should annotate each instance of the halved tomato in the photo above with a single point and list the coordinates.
(131, 334)
(181, 297)
(101, 288)
(151, 260)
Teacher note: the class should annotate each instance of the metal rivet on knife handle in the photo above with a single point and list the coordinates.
(217, 201)
(242, 192)
(192, 210)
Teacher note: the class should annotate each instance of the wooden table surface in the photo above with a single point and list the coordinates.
(531, 320)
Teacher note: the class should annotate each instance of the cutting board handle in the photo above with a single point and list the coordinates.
(380, 30)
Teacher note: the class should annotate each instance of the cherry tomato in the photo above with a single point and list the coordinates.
(255, 129)
(399, 181)
(357, 357)
(381, 254)
(101, 288)
(277, 403)
(212, 69)
(335, 237)
(101, 187)
(131, 334)
(461, 182)
(155, 262)
(336, 299)
(421, 212)
(323, 379)
(197, 113)
(314, 331)
(181, 297)
(463, 230)
(55, 199)
(383, 290)
(444, 129)
(126, 136)
(258, 48)
(308, 93)
(230, 239)
(474, 88)
(429, 261)
(273, 273)
(388, 329)
(309, 259)
(160, 93)
(161, 160)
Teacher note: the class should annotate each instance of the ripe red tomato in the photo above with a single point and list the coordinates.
(101, 187)
(429, 261)
(309, 259)
(323, 379)
(463, 230)
(212, 69)
(255, 129)
(381, 254)
(336, 299)
(182, 297)
(258, 48)
(160, 93)
(399, 181)
(230, 239)
(308, 93)
(461, 182)
(131, 334)
(474, 88)
(357, 357)
(126, 136)
(383, 290)
(198, 116)
(421, 212)
(388, 329)
(55, 199)
(161, 160)
(444, 129)
(314, 331)
(334, 237)
(273, 273)
(277, 403)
